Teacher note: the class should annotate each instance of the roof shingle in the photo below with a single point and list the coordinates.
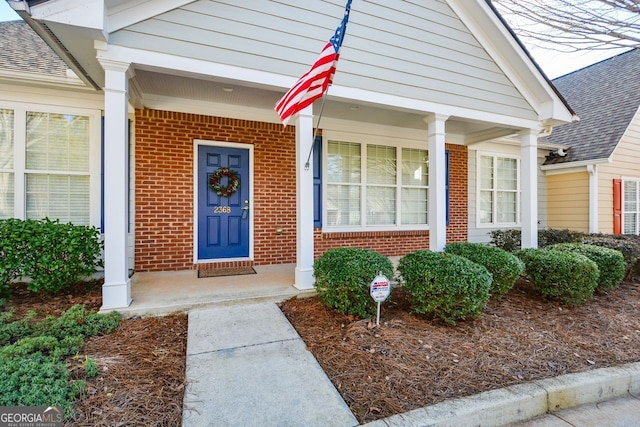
(606, 96)
(22, 50)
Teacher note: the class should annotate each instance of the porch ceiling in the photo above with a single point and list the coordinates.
(214, 90)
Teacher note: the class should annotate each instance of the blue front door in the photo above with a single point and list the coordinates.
(223, 220)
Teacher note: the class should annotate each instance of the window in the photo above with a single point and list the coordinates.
(377, 186)
(7, 180)
(631, 206)
(498, 190)
(51, 173)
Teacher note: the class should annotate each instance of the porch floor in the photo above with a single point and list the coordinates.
(158, 293)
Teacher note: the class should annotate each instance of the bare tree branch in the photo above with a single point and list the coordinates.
(572, 25)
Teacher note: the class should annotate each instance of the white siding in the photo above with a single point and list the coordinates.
(414, 50)
(481, 234)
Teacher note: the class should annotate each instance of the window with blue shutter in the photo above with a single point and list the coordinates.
(317, 182)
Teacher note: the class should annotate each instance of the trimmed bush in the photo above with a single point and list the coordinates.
(510, 239)
(550, 236)
(443, 285)
(52, 254)
(610, 262)
(343, 277)
(567, 276)
(506, 239)
(628, 245)
(504, 266)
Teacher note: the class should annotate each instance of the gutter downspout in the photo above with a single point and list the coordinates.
(593, 197)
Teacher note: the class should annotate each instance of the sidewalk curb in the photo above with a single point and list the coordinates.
(523, 402)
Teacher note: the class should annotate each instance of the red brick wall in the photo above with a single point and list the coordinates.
(457, 230)
(164, 193)
(164, 186)
(398, 243)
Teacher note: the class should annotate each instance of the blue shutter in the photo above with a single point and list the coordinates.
(317, 182)
(446, 180)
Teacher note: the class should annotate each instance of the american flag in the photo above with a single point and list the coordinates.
(315, 82)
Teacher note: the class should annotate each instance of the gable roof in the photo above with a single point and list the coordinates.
(606, 96)
(23, 51)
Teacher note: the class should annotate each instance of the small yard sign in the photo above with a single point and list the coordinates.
(380, 290)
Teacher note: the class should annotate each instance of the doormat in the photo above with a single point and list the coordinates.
(217, 272)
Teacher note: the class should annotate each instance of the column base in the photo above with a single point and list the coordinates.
(304, 279)
(116, 295)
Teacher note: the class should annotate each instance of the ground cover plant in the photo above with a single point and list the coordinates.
(32, 356)
(133, 375)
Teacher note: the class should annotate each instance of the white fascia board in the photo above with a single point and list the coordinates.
(188, 66)
(158, 102)
(80, 13)
(43, 79)
(428, 107)
(193, 67)
(135, 11)
(581, 166)
(511, 59)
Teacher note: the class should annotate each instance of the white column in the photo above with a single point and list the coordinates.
(304, 201)
(593, 198)
(529, 187)
(437, 182)
(116, 291)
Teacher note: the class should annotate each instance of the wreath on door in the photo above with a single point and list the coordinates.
(232, 184)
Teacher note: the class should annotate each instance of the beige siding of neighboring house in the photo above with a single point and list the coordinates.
(568, 201)
(417, 50)
(625, 164)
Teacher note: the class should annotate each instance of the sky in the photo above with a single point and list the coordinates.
(553, 63)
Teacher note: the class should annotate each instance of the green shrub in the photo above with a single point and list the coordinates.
(510, 239)
(506, 239)
(504, 266)
(628, 245)
(610, 262)
(343, 279)
(566, 276)
(52, 254)
(550, 236)
(446, 286)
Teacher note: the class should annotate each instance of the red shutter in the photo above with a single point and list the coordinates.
(617, 206)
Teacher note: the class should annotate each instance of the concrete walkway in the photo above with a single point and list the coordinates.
(621, 412)
(247, 366)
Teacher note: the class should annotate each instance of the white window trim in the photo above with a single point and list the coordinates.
(495, 224)
(637, 181)
(19, 150)
(365, 140)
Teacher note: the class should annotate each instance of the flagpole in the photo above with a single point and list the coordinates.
(315, 132)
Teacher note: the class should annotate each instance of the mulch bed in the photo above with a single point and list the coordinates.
(410, 361)
(142, 363)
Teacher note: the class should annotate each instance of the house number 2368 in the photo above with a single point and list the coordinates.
(222, 209)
